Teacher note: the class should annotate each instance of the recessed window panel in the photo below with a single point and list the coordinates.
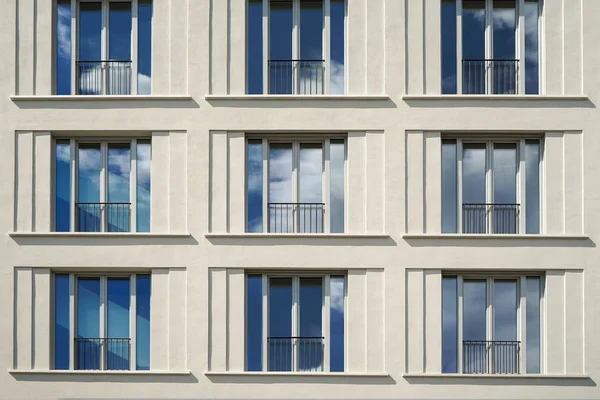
(144, 46)
(449, 187)
(449, 325)
(62, 337)
(254, 317)
(449, 41)
(337, 323)
(142, 327)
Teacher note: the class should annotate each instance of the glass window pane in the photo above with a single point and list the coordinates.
(280, 324)
(310, 196)
(449, 41)
(254, 321)
(505, 349)
(532, 15)
(89, 164)
(255, 47)
(88, 355)
(63, 186)
(474, 188)
(310, 73)
(63, 47)
(337, 154)
(473, 46)
(504, 174)
(119, 31)
(144, 46)
(280, 188)
(504, 73)
(61, 322)
(119, 187)
(449, 325)
(144, 166)
(142, 321)
(336, 323)
(533, 295)
(532, 185)
(337, 51)
(449, 187)
(280, 47)
(117, 323)
(254, 183)
(310, 345)
(90, 48)
(474, 326)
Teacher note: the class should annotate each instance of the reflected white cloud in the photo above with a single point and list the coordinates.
(337, 295)
(63, 32)
(144, 84)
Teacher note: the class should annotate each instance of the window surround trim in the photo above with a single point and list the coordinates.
(521, 323)
(103, 310)
(295, 275)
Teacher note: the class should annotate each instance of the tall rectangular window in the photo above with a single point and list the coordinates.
(254, 73)
(337, 47)
(532, 44)
(104, 184)
(300, 335)
(481, 184)
(492, 339)
(296, 192)
(144, 47)
(62, 35)
(101, 331)
(449, 63)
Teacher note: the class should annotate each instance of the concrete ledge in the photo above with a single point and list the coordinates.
(296, 97)
(503, 97)
(298, 374)
(97, 235)
(17, 98)
(98, 373)
(495, 376)
(468, 236)
(296, 236)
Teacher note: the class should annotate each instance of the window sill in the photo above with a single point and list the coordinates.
(89, 372)
(495, 376)
(131, 97)
(503, 97)
(298, 374)
(97, 235)
(295, 97)
(468, 236)
(295, 236)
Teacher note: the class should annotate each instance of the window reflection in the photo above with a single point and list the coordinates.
(449, 325)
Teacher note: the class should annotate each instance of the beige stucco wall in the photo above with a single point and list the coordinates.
(197, 253)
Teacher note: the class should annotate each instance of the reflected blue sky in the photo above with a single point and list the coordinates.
(61, 322)
(88, 308)
(142, 329)
(449, 325)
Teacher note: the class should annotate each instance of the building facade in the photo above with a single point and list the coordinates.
(299, 198)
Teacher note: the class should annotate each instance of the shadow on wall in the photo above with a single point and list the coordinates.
(533, 102)
(296, 101)
(262, 379)
(303, 241)
(500, 242)
(519, 380)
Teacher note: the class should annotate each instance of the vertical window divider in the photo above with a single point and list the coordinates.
(265, 323)
(522, 186)
(489, 45)
(489, 186)
(265, 186)
(522, 323)
(73, 177)
(326, 322)
(104, 186)
(296, 47)
(105, 51)
(132, 321)
(543, 318)
(520, 46)
(295, 322)
(134, 48)
(133, 187)
(74, 35)
(459, 50)
(266, 51)
(489, 321)
(72, 312)
(296, 186)
(103, 322)
(327, 46)
(326, 186)
(459, 323)
(459, 179)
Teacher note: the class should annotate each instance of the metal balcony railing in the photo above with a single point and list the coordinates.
(102, 353)
(490, 76)
(295, 353)
(490, 218)
(296, 217)
(491, 357)
(103, 217)
(296, 76)
(104, 77)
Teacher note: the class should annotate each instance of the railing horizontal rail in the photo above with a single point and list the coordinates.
(491, 357)
(296, 76)
(110, 77)
(490, 76)
(295, 353)
(490, 218)
(102, 353)
(102, 216)
(296, 217)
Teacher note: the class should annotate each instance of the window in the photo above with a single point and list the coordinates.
(491, 186)
(298, 49)
(486, 51)
(296, 186)
(94, 55)
(102, 186)
(110, 325)
(295, 322)
(491, 325)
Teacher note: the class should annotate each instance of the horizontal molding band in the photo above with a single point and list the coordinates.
(298, 374)
(296, 235)
(88, 372)
(18, 98)
(466, 236)
(505, 97)
(495, 376)
(296, 97)
(97, 235)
